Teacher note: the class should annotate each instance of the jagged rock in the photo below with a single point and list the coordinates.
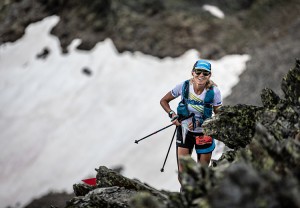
(110, 197)
(269, 98)
(282, 157)
(237, 189)
(234, 125)
(291, 85)
(247, 180)
(50, 200)
(145, 200)
(82, 189)
(113, 190)
(196, 181)
(277, 169)
(283, 120)
(107, 178)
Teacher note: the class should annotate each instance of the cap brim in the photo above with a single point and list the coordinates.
(201, 68)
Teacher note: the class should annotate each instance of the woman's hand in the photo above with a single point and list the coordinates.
(174, 119)
(191, 127)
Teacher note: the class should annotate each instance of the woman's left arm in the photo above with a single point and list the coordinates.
(217, 103)
(216, 108)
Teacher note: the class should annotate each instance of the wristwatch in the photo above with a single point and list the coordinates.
(171, 112)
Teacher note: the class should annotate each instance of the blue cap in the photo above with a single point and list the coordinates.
(201, 64)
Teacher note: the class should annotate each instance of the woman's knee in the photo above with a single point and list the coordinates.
(204, 159)
(181, 152)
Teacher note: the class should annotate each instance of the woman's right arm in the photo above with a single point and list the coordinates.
(164, 102)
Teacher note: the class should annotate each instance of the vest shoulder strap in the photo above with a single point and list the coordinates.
(208, 103)
(185, 89)
(209, 97)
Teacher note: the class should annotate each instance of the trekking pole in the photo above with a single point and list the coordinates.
(173, 119)
(162, 169)
(137, 141)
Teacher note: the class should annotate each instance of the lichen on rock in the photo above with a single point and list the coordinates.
(234, 125)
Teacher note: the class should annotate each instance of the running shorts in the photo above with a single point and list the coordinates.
(203, 144)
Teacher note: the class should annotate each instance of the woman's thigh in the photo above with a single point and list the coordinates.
(204, 159)
(181, 151)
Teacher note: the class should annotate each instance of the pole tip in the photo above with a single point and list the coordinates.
(162, 170)
(136, 141)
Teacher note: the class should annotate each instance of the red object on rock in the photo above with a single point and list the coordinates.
(90, 181)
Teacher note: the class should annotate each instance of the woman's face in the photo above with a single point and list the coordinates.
(201, 77)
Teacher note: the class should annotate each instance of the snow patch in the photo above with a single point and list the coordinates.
(57, 124)
(214, 11)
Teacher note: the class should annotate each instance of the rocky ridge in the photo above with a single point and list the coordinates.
(262, 169)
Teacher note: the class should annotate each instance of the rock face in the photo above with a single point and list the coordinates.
(113, 190)
(267, 30)
(51, 199)
(132, 25)
(261, 170)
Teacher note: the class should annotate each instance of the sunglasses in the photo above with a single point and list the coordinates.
(204, 72)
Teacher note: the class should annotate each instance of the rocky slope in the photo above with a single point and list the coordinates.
(51, 199)
(261, 170)
(267, 30)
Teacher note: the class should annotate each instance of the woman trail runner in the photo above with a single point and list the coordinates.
(200, 96)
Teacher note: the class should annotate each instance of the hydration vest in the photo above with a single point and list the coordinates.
(208, 101)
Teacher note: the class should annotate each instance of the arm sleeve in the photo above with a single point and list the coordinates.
(177, 90)
(217, 97)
